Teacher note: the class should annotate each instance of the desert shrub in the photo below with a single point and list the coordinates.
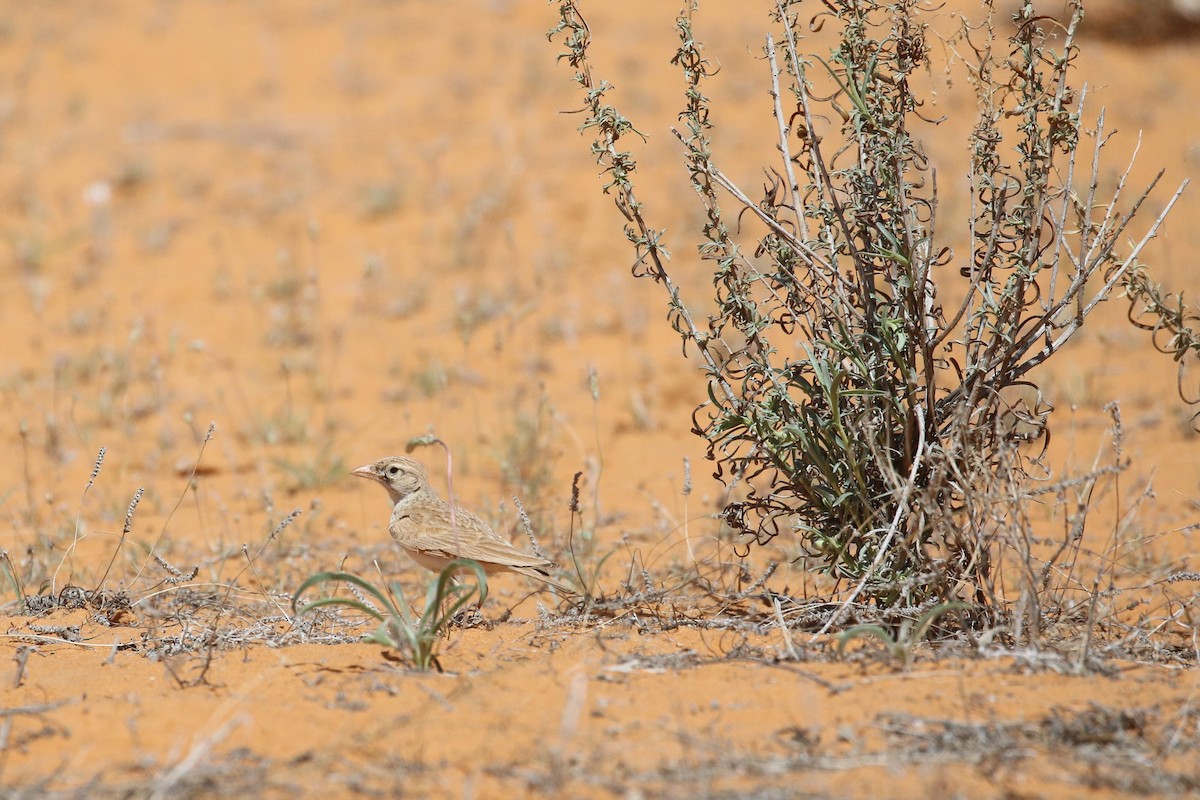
(876, 391)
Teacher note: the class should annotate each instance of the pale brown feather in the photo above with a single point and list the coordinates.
(422, 524)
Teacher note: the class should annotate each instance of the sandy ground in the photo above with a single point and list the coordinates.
(330, 227)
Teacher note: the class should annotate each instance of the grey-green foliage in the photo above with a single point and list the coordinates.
(400, 628)
(887, 434)
(907, 635)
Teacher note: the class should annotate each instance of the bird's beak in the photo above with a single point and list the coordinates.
(366, 471)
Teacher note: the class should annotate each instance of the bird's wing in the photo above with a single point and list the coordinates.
(470, 538)
(470, 545)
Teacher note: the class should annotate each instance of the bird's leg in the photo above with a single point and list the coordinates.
(469, 617)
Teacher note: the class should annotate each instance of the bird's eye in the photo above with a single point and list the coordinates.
(393, 470)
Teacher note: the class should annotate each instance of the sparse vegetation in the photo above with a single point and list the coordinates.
(910, 634)
(327, 265)
(401, 628)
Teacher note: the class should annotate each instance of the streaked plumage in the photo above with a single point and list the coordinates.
(421, 524)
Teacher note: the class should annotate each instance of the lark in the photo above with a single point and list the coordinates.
(421, 522)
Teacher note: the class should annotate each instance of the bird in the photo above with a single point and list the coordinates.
(433, 536)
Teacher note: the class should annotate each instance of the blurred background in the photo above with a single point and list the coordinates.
(330, 227)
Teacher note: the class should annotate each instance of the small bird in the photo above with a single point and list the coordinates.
(421, 522)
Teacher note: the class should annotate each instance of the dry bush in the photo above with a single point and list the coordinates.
(876, 392)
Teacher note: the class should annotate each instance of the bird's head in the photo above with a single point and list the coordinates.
(399, 475)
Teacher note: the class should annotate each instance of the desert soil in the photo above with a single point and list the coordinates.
(327, 228)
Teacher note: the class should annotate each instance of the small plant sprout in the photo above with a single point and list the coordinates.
(413, 635)
(909, 634)
(78, 519)
(208, 435)
(588, 578)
